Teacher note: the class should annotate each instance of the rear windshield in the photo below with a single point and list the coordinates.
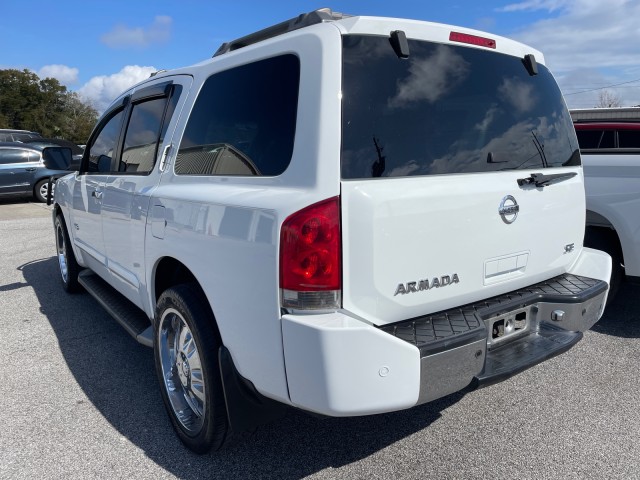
(447, 109)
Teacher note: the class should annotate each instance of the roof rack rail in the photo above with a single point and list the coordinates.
(301, 21)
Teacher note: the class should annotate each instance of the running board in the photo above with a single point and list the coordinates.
(518, 355)
(132, 319)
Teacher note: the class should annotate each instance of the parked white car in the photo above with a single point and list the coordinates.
(347, 215)
(609, 141)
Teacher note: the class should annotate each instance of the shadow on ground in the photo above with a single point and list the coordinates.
(622, 316)
(15, 199)
(117, 375)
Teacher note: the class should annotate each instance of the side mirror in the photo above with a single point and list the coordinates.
(104, 163)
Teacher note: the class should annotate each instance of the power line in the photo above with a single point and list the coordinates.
(603, 88)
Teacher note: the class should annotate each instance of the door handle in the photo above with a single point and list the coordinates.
(31, 169)
(97, 194)
(163, 159)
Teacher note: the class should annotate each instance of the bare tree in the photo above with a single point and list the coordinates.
(606, 99)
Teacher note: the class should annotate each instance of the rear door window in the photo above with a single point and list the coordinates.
(141, 139)
(10, 156)
(150, 113)
(447, 109)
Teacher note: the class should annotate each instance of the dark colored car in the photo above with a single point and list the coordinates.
(10, 135)
(26, 169)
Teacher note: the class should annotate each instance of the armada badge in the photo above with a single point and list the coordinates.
(509, 209)
(413, 287)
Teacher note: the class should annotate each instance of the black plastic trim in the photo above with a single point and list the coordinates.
(530, 64)
(448, 329)
(247, 409)
(128, 315)
(155, 91)
(301, 21)
(399, 43)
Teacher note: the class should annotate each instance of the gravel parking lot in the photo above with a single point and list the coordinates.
(79, 399)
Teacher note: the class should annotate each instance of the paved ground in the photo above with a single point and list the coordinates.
(79, 399)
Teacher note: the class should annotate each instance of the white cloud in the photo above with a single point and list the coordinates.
(519, 94)
(103, 89)
(123, 36)
(533, 5)
(65, 75)
(431, 78)
(587, 35)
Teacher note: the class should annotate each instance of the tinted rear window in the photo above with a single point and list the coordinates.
(243, 121)
(447, 109)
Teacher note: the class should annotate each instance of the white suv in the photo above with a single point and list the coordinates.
(347, 215)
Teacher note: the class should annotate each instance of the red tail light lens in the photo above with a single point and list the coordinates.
(472, 39)
(310, 252)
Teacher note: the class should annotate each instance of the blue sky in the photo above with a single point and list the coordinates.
(101, 48)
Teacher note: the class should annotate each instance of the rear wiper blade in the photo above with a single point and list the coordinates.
(542, 180)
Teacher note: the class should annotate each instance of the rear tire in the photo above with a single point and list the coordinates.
(186, 345)
(606, 240)
(41, 189)
(67, 263)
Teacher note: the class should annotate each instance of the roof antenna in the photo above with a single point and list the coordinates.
(399, 43)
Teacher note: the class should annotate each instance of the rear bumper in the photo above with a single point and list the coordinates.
(341, 366)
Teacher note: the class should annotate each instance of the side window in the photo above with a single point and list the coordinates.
(607, 140)
(147, 128)
(629, 138)
(9, 156)
(141, 139)
(32, 156)
(589, 138)
(243, 121)
(16, 155)
(104, 146)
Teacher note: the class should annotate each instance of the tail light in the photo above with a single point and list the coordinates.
(311, 257)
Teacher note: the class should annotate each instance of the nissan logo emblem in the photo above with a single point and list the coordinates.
(509, 209)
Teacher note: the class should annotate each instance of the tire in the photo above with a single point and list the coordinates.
(67, 263)
(607, 241)
(186, 344)
(41, 189)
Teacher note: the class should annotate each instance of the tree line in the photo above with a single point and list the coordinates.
(28, 102)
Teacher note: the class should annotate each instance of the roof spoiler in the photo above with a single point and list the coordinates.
(301, 21)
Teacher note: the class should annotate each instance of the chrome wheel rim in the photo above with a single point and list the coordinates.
(182, 371)
(62, 253)
(44, 189)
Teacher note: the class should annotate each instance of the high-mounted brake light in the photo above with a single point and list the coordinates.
(472, 39)
(310, 257)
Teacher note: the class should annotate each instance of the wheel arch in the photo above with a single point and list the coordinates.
(595, 222)
(169, 272)
(57, 210)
